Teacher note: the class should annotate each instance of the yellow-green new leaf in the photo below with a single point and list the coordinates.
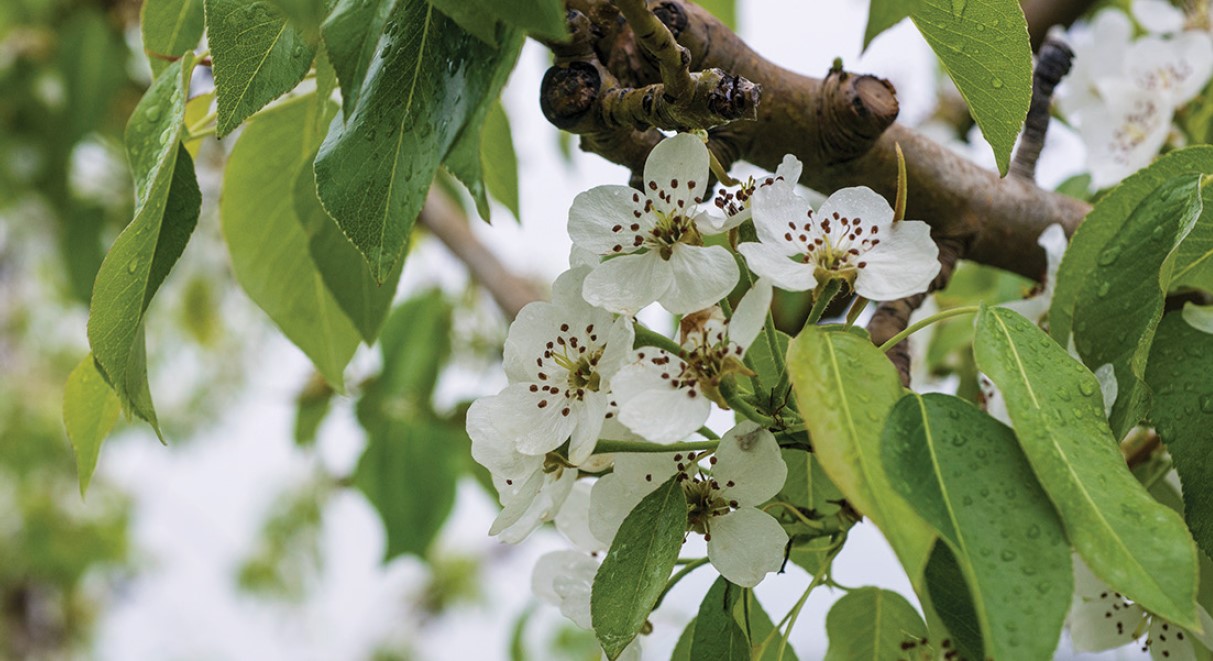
(1134, 544)
(170, 28)
(90, 409)
(846, 387)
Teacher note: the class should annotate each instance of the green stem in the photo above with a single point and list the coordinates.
(605, 446)
(824, 295)
(857, 309)
(646, 337)
(709, 434)
(687, 569)
(730, 394)
(914, 328)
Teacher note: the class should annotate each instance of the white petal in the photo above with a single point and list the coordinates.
(615, 495)
(904, 263)
(751, 314)
(579, 256)
(702, 276)
(1206, 623)
(1177, 69)
(746, 545)
(993, 401)
(551, 565)
(597, 211)
(494, 451)
(1168, 642)
(618, 350)
(566, 291)
(1094, 624)
(1199, 317)
(857, 203)
(749, 467)
(774, 207)
(1098, 54)
(590, 416)
(1158, 16)
(573, 520)
(515, 419)
(775, 265)
(626, 284)
(1126, 135)
(528, 333)
(511, 527)
(652, 407)
(574, 588)
(1054, 242)
(677, 167)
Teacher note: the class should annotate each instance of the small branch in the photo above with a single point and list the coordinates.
(447, 222)
(893, 317)
(1052, 64)
(655, 38)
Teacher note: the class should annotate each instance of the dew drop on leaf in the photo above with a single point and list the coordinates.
(997, 83)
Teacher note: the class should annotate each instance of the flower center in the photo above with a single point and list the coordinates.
(834, 246)
(672, 229)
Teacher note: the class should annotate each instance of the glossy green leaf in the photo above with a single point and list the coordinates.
(170, 28)
(542, 18)
(1121, 301)
(884, 14)
(718, 636)
(351, 35)
(948, 604)
(846, 387)
(269, 248)
(753, 618)
(963, 472)
(1181, 374)
(472, 17)
(304, 15)
(868, 624)
(257, 57)
(1194, 259)
(682, 649)
(635, 570)
(374, 168)
(1130, 541)
(343, 269)
(499, 160)
(142, 255)
(807, 486)
(90, 409)
(984, 47)
(422, 321)
(1105, 222)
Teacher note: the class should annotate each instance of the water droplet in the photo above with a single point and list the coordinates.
(1033, 531)
(958, 7)
(132, 266)
(1206, 403)
(997, 83)
(1109, 256)
(370, 135)
(165, 135)
(1086, 387)
(298, 51)
(153, 112)
(1008, 555)
(1104, 289)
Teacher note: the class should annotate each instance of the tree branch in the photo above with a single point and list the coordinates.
(842, 129)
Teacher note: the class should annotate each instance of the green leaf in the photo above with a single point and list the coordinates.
(1121, 301)
(984, 47)
(343, 269)
(472, 17)
(351, 36)
(499, 160)
(949, 606)
(870, 623)
(170, 28)
(422, 321)
(725, 10)
(754, 620)
(90, 409)
(306, 15)
(1194, 259)
(846, 388)
(717, 636)
(1130, 541)
(311, 407)
(257, 57)
(409, 472)
(884, 14)
(635, 570)
(269, 249)
(965, 475)
(542, 18)
(1181, 374)
(142, 255)
(1104, 223)
(682, 650)
(374, 168)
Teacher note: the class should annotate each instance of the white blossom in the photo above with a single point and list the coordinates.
(654, 237)
(744, 543)
(851, 237)
(1127, 134)
(1103, 619)
(736, 205)
(665, 397)
(1036, 307)
(565, 580)
(1099, 55)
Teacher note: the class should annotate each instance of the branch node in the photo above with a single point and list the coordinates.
(854, 111)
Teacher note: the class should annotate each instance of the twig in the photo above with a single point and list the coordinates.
(445, 220)
(1052, 65)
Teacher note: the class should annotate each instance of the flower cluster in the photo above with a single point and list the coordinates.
(1124, 90)
(586, 380)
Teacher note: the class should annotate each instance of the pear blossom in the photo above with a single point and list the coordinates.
(565, 579)
(654, 237)
(1099, 55)
(1128, 134)
(665, 397)
(852, 237)
(559, 358)
(1158, 16)
(1036, 307)
(1103, 619)
(736, 204)
(1175, 68)
(744, 543)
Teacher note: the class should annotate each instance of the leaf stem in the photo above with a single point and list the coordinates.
(735, 401)
(914, 328)
(605, 446)
(822, 300)
(646, 337)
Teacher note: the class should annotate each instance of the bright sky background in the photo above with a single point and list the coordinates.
(199, 508)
